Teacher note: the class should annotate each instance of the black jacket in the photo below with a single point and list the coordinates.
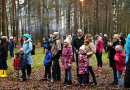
(105, 39)
(122, 41)
(22, 62)
(3, 51)
(112, 53)
(77, 43)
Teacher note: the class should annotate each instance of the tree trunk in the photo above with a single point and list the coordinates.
(17, 21)
(69, 9)
(3, 18)
(28, 16)
(75, 16)
(57, 14)
(13, 8)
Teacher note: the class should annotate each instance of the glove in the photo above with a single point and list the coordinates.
(100, 54)
(69, 65)
(77, 52)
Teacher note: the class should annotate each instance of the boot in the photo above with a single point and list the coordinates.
(52, 80)
(69, 83)
(100, 69)
(65, 82)
(28, 77)
(1, 73)
(5, 73)
(96, 68)
(119, 87)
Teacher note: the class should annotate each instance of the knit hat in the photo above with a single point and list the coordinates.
(74, 33)
(21, 49)
(17, 53)
(67, 40)
(26, 35)
(11, 37)
(56, 33)
(121, 33)
(118, 48)
(82, 48)
(48, 47)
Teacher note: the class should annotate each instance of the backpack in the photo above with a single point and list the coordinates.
(33, 49)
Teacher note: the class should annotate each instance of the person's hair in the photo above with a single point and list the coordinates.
(79, 30)
(3, 41)
(88, 39)
(105, 35)
(70, 38)
(117, 36)
(96, 36)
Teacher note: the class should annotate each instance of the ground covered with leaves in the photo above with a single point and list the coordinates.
(104, 78)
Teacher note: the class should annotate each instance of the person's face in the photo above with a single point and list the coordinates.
(66, 44)
(73, 34)
(54, 36)
(120, 35)
(16, 56)
(81, 51)
(0, 40)
(79, 33)
(47, 50)
(25, 38)
(101, 35)
(21, 52)
(115, 39)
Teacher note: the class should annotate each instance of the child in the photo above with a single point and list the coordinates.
(66, 60)
(47, 63)
(83, 66)
(120, 64)
(22, 64)
(16, 64)
(44, 45)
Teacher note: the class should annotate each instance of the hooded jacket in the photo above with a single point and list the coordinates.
(48, 59)
(120, 61)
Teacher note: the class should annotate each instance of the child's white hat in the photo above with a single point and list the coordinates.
(82, 47)
(21, 49)
(67, 40)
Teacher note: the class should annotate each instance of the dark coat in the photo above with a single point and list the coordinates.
(11, 43)
(73, 40)
(105, 39)
(77, 43)
(3, 51)
(112, 53)
(22, 62)
(122, 41)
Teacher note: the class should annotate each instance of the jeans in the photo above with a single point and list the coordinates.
(23, 75)
(28, 69)
(3, 64)
(77, 65)
(115, 75)
(119, 73)
(92, 73)
(11, 52)
(47, 72)
(15, 45)
(99, 59)
(44, 49)
(66, 74)
(73, 56)
(21, 44)
(82, 78)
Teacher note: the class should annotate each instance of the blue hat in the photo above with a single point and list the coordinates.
(74, 33)
(26, 35)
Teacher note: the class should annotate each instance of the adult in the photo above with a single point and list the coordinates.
(90, 50)
(56, 48)
(77, 43)
(101, 35)
(111, 55)
(73, 36)
(127, 72)
(15, 41)
(3, 58)
(122, 40)
(28, 48)
(99, 48)
(105, 39)
(21, 41)
(11, 47)
(51, 39)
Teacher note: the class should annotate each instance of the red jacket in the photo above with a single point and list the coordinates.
(23, 41)
(15, 40)
(16, 63)
(99, 46)
(120, 61)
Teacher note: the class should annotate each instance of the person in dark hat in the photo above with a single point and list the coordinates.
(73, 36)
(122, 41)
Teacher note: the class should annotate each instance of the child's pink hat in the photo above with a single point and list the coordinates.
(67, 40)
(82, 47)
(118, 48)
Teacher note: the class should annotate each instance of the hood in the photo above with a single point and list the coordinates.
(29, 40)
(121, 54)
(48, 52)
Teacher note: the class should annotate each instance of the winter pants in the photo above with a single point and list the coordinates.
(92, 73)
(11, 52)
(66, 74)
(21, 44)
(99, 59)
(3, 64)
(15, 45)
(105, 48)
(28, 69)
(23, 74)
(56, 72)
(47, 72)
(82, 78)
(115, 75)
(77, 65)
(17, 72)
(119, 73)
(44, 49)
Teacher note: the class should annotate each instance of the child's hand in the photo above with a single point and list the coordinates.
(69, 65)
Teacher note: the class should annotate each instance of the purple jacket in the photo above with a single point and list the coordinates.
(67, 57)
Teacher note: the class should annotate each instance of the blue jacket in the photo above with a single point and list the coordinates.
(48, 59)
(22, 62)
(44, 44)
(28, 48)
(11, 43)
(127, 48)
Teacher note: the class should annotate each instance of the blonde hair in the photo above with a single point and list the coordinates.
(88, 39)
(105, 35)
(99, 38)
(70, 38)
(117, 36)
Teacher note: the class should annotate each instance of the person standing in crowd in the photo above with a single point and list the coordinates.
(44, 45)
(66, 60)
(73, 36)
(3, 58)
(127, 61)
(21, 41)
(105, 39)
(15, 41)
(47, 63)
(77, 43)
(27, 49)
(111, 55)
(90, 50)
(99, 48)
(55, 50)
(11, 47)
(51, 39)
(120, 64)
(122, 41)
(101, 35)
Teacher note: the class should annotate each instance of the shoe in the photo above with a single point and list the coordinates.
(28, 77)
(52, 81)
(65, 82)
(17, 76)
(48, 79)
(69, 83)
(99, 69)
(119, 87)
(94, 84)
(83, 84)
(77, 83)
(5, 73)
(114, 84)
(21, 80)
(44, 79)
(96, 68)
(1, 73)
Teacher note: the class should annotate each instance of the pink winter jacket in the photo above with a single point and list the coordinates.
(83, 63)
(99, 46)
(67, 57)
(120, 61)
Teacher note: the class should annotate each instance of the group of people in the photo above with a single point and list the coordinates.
(80, 45)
